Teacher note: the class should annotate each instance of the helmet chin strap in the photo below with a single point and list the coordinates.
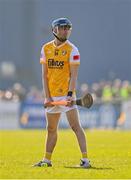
(60, 39)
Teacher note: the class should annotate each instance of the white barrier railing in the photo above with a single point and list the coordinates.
(9, 114)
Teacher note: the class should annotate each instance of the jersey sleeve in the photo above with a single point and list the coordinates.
(42, 56)
(75, 56)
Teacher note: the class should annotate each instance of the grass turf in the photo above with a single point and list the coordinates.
(109, 152)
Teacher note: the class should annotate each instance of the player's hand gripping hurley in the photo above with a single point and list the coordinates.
(85, 101)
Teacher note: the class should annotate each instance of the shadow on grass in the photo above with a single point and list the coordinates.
(94, 168)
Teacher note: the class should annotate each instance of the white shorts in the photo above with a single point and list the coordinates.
(60, 109)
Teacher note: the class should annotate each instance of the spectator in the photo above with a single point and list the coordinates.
(107, 93)
(124, 91)
(116, 88)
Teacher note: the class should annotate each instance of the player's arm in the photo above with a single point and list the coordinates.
(73, 77)
(45, 78)
(45, 81)
(74, 66)
(72, 83)
(46, 91)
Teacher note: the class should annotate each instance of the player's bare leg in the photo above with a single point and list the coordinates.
(52, 124)
(73, 118)
(51, 138)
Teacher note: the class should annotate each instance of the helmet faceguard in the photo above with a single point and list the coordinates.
(60, 22)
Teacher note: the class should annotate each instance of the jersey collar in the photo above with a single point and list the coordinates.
(59, 45)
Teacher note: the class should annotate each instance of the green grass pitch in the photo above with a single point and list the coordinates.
(109, 153)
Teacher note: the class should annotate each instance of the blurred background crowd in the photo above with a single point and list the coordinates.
(103, 91)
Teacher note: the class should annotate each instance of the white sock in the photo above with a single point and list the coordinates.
(46, 160)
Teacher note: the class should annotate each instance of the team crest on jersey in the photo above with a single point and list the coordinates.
(64, 52)
(56, 52)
